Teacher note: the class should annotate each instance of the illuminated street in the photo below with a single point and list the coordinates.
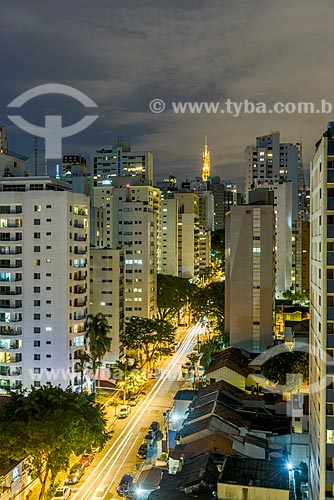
(120, 457)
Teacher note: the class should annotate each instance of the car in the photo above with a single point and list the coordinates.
(62, 493)
(150, 437)
(75, 473)
(143, 450)
(125, 485)
(134, 400)
(155, 426)
(124, 411)
(87, 458)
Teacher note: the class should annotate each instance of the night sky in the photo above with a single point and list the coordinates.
(125, 53)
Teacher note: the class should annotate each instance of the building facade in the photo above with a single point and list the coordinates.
(321, 465)
(44, 282)
(250, 276)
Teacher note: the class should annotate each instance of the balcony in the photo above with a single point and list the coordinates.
(6, 250)
(79, 224)
(10, 278)
(79, 316)
(6, 290)
(80, 251)
(80, 237)
(79, 303)
(7, 371)
(10, 237)
(78, 290)
(6, 331)
(10, 317)
(10, 344)
(9, 264)
(79, 277)
(10, 210)
(10, 223)
(10, 358)
(10, 304)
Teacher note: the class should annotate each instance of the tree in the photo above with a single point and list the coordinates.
(128, 377)
(207, 348)
(99, 341)
(153, 337)
(208, 305)
(289, 362)
(47, 425)
(173, 294)
(83, 359)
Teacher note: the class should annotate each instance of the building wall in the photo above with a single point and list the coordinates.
(249, 277)
(237, 492)
(107, 295)
(169, 237)
(188, 235)
(321, 463)
(229, 376)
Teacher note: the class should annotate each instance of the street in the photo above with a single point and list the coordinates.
(120, 454)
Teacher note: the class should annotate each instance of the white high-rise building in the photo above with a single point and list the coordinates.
(321, 465)
(11, 164)
(272, 160)
(282, 192)
(131, 219)
(44, 282)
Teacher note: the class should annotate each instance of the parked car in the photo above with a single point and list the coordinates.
(150, 437)
(125, 485)
(87, 459)
(62, 493)
(124, 411)
(155, 426)
(143, 450)
(134, 400)
(75, 473)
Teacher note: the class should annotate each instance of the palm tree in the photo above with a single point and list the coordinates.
(97, 330)
(83, 358)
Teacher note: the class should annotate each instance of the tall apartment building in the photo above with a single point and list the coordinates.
(282, 192)
(74, 171)
(300, 277)
(321, 465)
(250, 276)
(135, 167)
(272, 160)
(223, 201)
(188, 235)
(169, 237)
(130, 220)
(44, 283)
(107, 279)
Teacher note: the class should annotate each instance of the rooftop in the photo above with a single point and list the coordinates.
(254, 472)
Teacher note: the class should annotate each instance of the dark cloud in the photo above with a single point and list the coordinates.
(123, 54)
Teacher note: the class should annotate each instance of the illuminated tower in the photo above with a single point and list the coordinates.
(206, 162)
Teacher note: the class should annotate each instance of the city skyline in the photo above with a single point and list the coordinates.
(123, 68)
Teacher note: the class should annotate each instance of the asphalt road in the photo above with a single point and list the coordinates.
(119, 456)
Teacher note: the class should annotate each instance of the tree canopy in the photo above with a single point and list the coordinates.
(173, 294)
(47, 425)
(290, 362)
(99, 340)
(153, 337)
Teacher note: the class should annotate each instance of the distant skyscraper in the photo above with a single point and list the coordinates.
(135, 167)
(11, 164)
(272, 160)
(188, 235)
(74, 171)
(206, 167)
(321, 466)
